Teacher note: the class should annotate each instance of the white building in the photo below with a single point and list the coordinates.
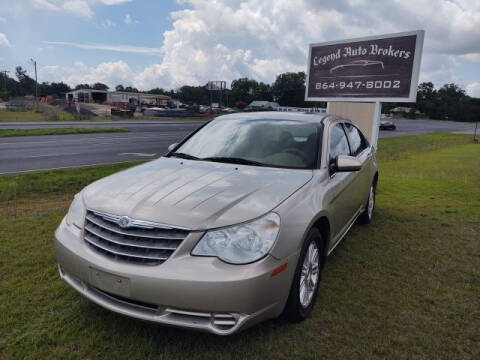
(115, 97)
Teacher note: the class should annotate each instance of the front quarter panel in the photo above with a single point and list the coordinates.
(298, 213)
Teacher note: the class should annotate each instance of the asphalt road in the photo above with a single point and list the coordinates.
(418, 126)
(146, 140)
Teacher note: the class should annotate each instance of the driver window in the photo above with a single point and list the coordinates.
(357, 141)
(338, 143)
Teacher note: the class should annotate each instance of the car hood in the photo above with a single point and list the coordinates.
(194, 194)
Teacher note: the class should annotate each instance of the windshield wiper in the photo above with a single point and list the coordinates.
(184, 156)
(233, 160)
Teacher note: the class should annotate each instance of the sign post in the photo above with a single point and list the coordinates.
(216, 86)
(369, 70)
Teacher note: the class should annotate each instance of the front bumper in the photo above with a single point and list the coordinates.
(200, 293)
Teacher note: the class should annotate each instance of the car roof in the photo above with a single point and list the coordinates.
(276, 115)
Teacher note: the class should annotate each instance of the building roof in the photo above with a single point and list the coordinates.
(141, 94)
(87, 90)
(158, 96)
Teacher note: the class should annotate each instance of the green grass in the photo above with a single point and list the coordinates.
(157, 118)
(42, 184)
(61, 115)
(37, 116)
(59, 131)
(406, 286)
(401, 146)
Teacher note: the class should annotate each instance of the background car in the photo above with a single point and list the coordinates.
(387, 125)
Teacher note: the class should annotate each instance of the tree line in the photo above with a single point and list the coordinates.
(449, 102)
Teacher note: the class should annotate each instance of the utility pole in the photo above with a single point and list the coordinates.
(36, 83)
(475, 132)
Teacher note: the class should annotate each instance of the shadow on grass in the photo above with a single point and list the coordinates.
(129, 334)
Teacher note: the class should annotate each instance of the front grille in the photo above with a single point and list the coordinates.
(141, 242)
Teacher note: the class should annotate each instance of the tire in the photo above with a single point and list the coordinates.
(298, 309)
(367, 215)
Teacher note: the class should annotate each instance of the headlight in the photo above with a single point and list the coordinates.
(241, 244)
(76, 212)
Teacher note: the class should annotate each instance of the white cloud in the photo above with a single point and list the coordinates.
(129, 21)
(110, 73)
(439, 69)
(45, 5)
(82, 8)
(227, 39)
(2, 19)
(475, 57)
(79, 64)
(107, 23)
(473, 89)
(262, 38)
(115, 2)
(4, 40)
(109, 47)
(78, 7)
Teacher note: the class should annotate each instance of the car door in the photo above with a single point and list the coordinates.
(341, 194)
(359, 148)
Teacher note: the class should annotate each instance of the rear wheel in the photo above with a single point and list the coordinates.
(367, 215)
(307, 278)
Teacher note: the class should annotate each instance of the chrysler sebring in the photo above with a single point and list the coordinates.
(231, 227)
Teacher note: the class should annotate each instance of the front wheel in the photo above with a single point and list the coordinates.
(367, 215)
(307, 278)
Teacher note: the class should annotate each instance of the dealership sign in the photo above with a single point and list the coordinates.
(376, 68)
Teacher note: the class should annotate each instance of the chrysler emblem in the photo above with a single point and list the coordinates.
(124, 222)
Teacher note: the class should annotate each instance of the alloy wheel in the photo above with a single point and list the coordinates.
(309, 274)
(371, 202)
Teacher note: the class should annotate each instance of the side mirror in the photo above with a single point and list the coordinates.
(346, 163)
(172, 147)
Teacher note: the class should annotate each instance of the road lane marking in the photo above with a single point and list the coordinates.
(47, 155)
(138, 154)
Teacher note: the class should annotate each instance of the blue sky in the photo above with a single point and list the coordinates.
(34, 28)
(170, 43)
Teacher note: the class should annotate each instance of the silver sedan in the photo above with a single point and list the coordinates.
(231, 227)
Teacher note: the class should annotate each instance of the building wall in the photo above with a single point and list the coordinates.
(123, 97)
(119, 97)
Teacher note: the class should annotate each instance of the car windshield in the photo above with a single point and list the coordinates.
(259, 142)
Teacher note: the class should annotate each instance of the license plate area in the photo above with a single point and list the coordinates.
(110, 283)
